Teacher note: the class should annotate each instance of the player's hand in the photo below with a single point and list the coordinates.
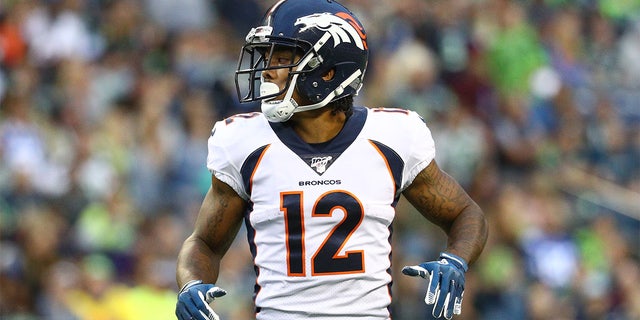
(446, 283)
(194, 299)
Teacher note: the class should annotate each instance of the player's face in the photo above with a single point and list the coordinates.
(280, 63)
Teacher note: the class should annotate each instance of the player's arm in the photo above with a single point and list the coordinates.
(199, 259)
(439, 198)
(442, 200)
(215, 229)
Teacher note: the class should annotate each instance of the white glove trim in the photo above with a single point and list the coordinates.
(212, 315)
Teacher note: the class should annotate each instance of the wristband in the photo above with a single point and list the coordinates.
(455, 260)
(189, 284)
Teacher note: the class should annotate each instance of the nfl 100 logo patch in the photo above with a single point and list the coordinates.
(319, 163)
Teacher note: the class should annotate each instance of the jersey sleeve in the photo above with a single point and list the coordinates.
(421, 151)
(220, 162)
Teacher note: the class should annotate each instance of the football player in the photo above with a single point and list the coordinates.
(316, 180)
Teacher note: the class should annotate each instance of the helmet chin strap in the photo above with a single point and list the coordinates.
(277, 110)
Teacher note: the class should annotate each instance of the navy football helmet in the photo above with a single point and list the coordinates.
(324, 35)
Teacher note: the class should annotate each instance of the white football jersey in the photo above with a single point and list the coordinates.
(319, 218)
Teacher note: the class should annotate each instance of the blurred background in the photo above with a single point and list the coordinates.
(106, 107)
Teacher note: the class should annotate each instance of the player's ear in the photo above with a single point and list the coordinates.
(329, 75)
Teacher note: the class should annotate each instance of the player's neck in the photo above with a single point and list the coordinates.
(318, 126)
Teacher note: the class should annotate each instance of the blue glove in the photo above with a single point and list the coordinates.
(446, 283)
(194, 299)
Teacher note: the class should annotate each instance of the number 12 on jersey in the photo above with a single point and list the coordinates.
(327, 259)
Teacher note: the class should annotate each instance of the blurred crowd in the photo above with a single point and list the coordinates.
(106, 107)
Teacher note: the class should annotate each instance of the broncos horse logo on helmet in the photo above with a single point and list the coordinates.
(325, 35)
(341, 30)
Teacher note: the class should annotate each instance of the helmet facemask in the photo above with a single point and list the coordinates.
(256, 58)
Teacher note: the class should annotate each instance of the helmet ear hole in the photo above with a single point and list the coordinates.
(329, 74)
